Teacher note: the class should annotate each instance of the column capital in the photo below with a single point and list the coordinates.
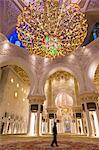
(51, 110)
(36, 99)
(88, 97)
(77, 109)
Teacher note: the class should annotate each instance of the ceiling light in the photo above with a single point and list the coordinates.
(16, 94)
(23, 99)
(12, 80)
(6, 45)
(22, 89)
(17, 85)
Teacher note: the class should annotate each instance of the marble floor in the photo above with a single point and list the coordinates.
(65, 142)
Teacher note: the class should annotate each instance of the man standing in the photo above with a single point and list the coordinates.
(54, 135)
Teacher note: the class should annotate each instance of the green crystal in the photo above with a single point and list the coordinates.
(47, 38)
(51, 48)
(55, 51)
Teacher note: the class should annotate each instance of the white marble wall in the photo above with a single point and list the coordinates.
(17, 106)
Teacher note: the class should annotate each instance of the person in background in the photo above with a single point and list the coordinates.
(54, 135)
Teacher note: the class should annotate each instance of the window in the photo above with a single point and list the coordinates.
(94, 33)
(13, 38)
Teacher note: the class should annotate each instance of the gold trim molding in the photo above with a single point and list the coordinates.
(52, 110)
(36, 99)
(61, 75)
(89, 97)
(77, 109)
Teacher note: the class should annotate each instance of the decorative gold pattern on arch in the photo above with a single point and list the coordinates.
(96, 78)
(89, 97)
(50, 110)
(36, 99)
(23, 75)
(61, 75)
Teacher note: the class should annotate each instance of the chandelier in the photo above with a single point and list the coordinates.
(51, 28)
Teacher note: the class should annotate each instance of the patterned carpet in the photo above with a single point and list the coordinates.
(45, 145)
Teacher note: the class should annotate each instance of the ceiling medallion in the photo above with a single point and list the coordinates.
(51, 28)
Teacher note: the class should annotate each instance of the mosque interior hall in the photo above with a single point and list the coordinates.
(49, 73)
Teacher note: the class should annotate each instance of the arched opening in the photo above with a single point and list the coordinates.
(64, 103)
(14, 105)
(61, 91)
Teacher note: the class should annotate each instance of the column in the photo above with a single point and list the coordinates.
(96, 120)
(76, 125)
(35, 109)
(28, 127)
(97, 113)
(89, 103)
(82, 125)
(51, 115)
(48, 124)
(89, 128)
(38, 120)
(78, 119)
(73, 126)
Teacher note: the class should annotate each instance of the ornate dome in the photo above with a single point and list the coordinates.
(63, 100)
